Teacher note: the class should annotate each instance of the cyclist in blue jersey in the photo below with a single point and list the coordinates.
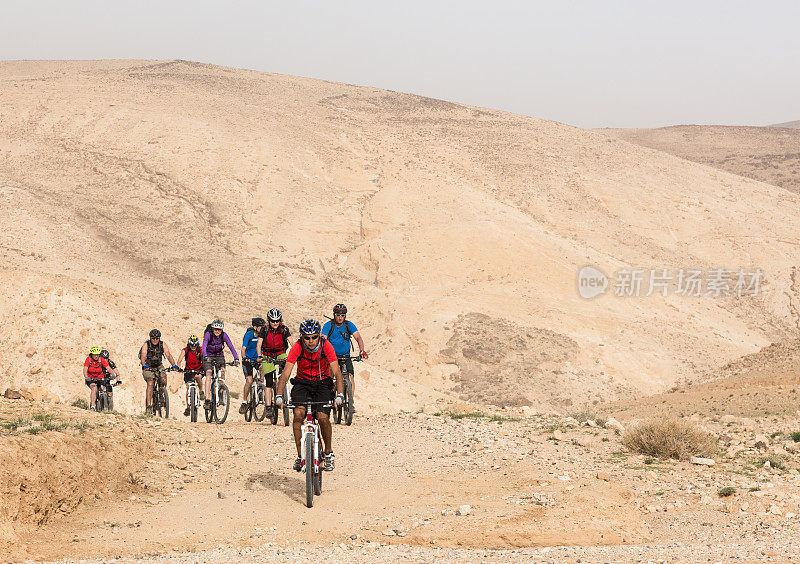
(338, 333)
(249, 357)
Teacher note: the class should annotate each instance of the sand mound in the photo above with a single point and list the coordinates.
(141, 194)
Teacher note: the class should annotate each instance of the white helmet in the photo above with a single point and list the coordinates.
(217, 324)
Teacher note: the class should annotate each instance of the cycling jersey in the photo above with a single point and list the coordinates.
(312, 365)
(250, 344)
(275, 342)
(194, 360)
(339, 335)
(95, 367)
(215, 346)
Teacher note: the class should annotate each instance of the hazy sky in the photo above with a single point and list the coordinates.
(591, 64)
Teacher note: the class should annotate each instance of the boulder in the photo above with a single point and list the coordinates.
(12, 394)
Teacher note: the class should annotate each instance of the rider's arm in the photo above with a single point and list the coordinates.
(230, 346)
(86, 369)
(143, 355)
(287, 372)
(330, 355)
(359, 340)
(325, 329)
(169, 355)
(180, 357)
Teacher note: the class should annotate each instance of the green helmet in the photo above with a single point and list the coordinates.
(94, 350)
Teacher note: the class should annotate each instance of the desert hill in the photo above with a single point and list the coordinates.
(141, 194)
(789, 124)
(769, 154)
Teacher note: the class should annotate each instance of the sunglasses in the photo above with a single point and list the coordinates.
(217, 329)
(272, 321)
(310, 337)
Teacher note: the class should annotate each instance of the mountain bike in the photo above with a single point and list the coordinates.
(310, 450)
(279, 364)
(105, 395)
(160, 395)
(220, 397)
(192, 392)
(346, 409)
(257, 398)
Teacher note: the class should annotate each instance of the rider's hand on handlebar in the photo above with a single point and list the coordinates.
(175, 367)
(364, 355)
(278, 400)
(259, 358)
(145, 367)
(339, 399)
(236, 362)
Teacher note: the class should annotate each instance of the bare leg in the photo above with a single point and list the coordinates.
(208, 383)
(149, 395)
(92, 394)
(327, 433)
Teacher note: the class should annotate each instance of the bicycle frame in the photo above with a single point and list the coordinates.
(310, 430)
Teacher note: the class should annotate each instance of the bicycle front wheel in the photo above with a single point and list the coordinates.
(348, 403)
(164, 407)
(261, 402)
(193, 405)
(110, 401)
(309, 471)
(222, 403)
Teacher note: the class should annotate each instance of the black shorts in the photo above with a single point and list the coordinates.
(247, 368)
(99, 381)
(217, 362)
(304, 390)
(189, 375)
(346, 365)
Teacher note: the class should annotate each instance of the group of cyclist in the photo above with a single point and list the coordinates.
(99, 370)
(266, 344)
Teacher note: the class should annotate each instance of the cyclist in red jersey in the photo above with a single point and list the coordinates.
(93, 373)
(316, 362)
(193, 354)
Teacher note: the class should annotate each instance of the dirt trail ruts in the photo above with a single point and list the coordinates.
(397, 473)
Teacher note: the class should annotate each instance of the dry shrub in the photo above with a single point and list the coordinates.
(669, 438)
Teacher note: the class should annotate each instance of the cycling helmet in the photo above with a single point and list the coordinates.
(310, 327)
(104, 354)
(193, 341)
(155, 334)
(274, 314)
(94, 350)
(217, 324)
(259, 322)
(339, 308)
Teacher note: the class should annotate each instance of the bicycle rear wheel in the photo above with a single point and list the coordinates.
(222, 403)
(309, 471)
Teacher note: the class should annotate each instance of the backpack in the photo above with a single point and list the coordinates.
(346, 333)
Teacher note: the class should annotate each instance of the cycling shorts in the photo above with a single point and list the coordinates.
(313, 390)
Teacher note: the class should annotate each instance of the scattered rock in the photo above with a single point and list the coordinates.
(775, 510)
(559, 435)
(591, 423)
(761, 443)
(767, 464)
(180, 464)
(612, 423)
(388, 533)
(727, 419)
(571, 422)
(30, 352)
(12, 394)
(702, 461)
(221, 495)
(605, 476)
(464, 510)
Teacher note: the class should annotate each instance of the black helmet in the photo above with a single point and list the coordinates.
(339, 308)
(104, 354)
(259, 322)
(155, 334)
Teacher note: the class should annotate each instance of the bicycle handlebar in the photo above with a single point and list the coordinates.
(309, 403)
(348, 357)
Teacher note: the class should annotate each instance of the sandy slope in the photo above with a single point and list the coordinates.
(769, 154)
(135, 194)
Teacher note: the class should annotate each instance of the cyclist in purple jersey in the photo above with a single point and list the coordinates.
(214, 342)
